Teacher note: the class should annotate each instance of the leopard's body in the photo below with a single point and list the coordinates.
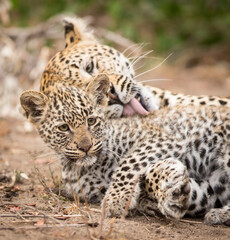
(84, 58)
(175, 161)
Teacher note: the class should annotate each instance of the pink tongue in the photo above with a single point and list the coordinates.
(134, 107)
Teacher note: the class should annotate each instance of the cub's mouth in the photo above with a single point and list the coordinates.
(82, 161)
(135, 106)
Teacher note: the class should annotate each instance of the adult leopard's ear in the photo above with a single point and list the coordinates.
(76, 30)
(98, 88)
(33, 103)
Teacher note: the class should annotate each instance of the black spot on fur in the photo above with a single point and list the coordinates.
(194, 195)
(166, 102)
(200, 212)
(130, 176)
(210, 190)
(204, 200)
(126, 168)
(218, 203)
(219, 189)
(222, 102)
(192, 207)
(197, 143)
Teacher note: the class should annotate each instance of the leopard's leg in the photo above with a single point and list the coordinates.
(122, 194)
(148, 205)
(87, 186)
(218, 216)
(210, 197)
(206, 200)
(164, 98)
(168, 183)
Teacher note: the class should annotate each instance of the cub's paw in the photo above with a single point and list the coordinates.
(148, 206)
(218, 216)
(113, 208)
(168, 183)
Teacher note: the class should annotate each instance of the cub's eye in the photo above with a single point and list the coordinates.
(91, 121)
(63, 127)
(89, 68)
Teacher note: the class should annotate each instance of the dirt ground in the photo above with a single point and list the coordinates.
(29, 170)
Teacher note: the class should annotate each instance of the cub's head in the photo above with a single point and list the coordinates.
(70, 120)
(84, 58)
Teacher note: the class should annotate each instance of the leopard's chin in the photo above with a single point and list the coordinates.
(83, 161)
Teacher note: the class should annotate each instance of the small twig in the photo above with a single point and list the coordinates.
(102, 218)
(33, 208)
(45, 226)
(39, 216)
(19, 215)
(95, 210)
(110, 229)
(189, 221)
(52, 175)
(42, 180)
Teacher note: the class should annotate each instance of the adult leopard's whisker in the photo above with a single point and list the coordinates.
(155, 66)
(140, 46)
(155, 80)
(131, 46)
(140, 57)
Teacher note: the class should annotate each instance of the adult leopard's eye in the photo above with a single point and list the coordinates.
(89, 68)
(63, 127)
(91, 121)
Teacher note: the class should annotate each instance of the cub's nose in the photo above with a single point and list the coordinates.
(85, 144)
(85, 148)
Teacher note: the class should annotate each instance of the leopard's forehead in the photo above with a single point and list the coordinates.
(79, 64)
(95, 50)
(69, 105)
(79, 56)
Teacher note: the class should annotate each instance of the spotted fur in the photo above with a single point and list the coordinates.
(84, 58)
(175, 161)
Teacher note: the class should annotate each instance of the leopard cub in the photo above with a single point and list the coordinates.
(175, 161)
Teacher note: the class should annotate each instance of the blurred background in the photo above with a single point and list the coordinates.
(194, 33)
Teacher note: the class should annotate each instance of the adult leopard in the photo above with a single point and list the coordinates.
(84, 58)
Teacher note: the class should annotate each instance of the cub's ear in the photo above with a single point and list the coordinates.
(99, 88)
(76, 30)
(33, 103)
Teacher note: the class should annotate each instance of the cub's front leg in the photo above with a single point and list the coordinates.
(87, 186)
(123, 192)
(168, 183)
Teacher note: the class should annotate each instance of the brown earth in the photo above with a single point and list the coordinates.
(23, 155)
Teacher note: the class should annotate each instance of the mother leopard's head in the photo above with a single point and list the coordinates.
(84, 58)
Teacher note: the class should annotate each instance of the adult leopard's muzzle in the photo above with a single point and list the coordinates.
(135, 106)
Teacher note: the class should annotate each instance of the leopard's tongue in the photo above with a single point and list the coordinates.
(133, 107)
